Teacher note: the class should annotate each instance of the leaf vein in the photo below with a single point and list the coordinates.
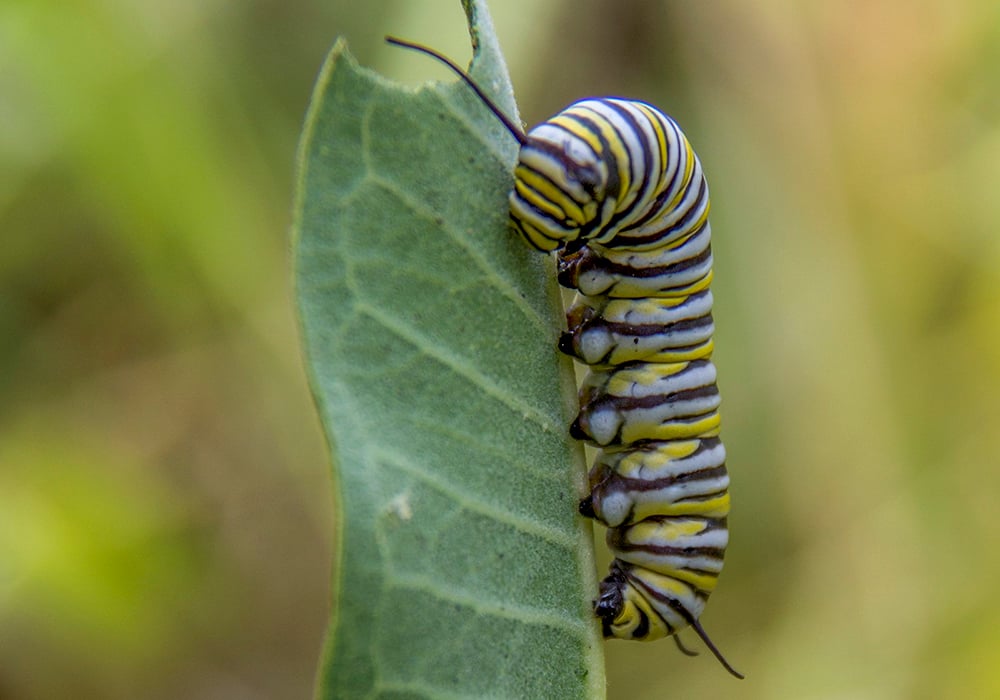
(456, 363)
(472, 502)
(474, 600)
(502, 284)
(508, 456)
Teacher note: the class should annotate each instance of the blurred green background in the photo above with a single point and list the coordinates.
(165, 509)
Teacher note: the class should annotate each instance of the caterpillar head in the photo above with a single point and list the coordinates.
(563, 183)
(563, 188)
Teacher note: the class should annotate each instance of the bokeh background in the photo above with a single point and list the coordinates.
(165, 509)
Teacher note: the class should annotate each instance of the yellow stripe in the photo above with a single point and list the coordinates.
(688, 169)
(696, 286)
(717, 507)
(665, 584)
(564, 205)
(537, 237)
(653, 531)
(703, 582)
(532, 197)
(624, 353)
(680, 449)
(661, 134)
(699, 352)
(649, 306)
(615, 144)
(622, 382)
(564, 120)
(624, 626)
(630, 465)
(704, 216)
(709, 425)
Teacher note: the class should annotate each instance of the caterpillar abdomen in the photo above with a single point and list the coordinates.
(675, 478)
(647, 401)
(605, 331)
(628, 274)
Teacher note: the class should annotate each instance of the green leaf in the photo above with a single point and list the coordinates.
(462, 567)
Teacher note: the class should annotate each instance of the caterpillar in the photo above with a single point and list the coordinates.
(614, 189)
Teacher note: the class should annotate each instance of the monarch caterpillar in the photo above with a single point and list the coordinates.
(613, 187)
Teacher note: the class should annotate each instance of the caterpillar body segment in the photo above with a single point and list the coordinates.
(647, 401)
(675, 478)
(629, 274)
(604, 331)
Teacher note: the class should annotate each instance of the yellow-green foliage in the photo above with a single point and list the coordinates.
(164, 499)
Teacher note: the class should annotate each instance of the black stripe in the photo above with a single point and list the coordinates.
(617, 541)
(612, 188)
(629, 403)
(555, 185)
(524, 234)
(664, 551)
(642, 485)
(626, 270)
(574, 266)
(668, 192)
(651, 329)
(642, 195)
(691, 214)
(672, 603)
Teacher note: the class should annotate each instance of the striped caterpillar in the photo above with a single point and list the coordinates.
(613, 187)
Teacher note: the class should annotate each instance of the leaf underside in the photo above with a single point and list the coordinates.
(462, 568)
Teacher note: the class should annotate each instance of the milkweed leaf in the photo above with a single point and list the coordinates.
(462, 568)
